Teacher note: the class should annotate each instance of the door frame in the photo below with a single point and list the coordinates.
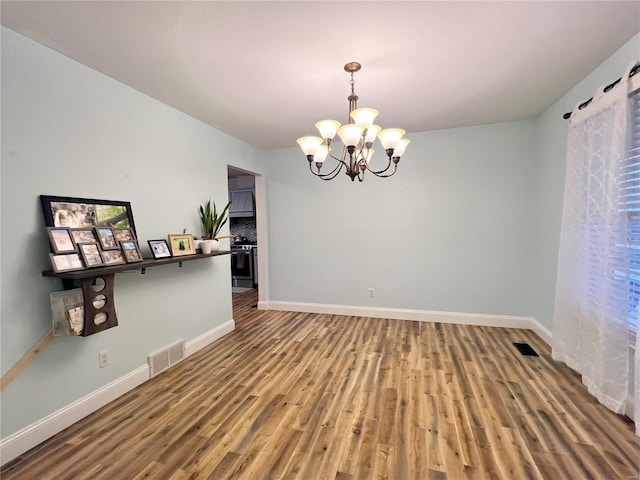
(261, 231)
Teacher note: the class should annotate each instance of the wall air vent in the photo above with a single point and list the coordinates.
(162, 359)
(526, 349)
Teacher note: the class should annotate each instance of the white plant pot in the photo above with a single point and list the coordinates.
(206, 246)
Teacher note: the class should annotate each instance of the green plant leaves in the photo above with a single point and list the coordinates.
(212, 223)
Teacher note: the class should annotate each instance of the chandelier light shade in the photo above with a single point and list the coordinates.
(357, 136)
(309, 145)
(328, 128)
(400, 147)
(390, 137)
(350, 134)
(364, 116)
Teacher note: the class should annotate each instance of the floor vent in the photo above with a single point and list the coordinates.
(526, 349)
(162, 359)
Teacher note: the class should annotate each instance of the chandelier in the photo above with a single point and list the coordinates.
(357, 137)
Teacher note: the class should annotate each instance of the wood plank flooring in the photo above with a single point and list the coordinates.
(305, 396)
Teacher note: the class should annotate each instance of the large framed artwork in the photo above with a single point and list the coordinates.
(72, 212)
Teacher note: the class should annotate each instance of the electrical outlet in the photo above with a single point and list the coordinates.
(103, 358)
(371, 293)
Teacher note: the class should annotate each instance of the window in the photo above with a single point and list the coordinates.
(630, 189)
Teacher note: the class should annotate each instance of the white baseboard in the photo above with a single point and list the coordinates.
(628, 409)
(508, 321)
(543, 332)
(192, 346)
(36, 433)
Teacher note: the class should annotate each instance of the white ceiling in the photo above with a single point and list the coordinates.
(265, 72)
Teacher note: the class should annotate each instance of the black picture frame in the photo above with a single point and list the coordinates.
(74, 212)
(159, 248)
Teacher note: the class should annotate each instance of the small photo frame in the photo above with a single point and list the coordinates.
(107, 239)
(113, 257)
(124, 235)
(61, 241)
(159, 248)
(83, 235)
(64, 305)
(66, 262)
(131, 252)
(90, 254)
(182, 244)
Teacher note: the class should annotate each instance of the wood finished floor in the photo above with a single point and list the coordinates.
(306, 396)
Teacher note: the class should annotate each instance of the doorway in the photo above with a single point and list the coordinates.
(243, 226)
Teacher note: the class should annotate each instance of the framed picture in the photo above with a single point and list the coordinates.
(75, 212)
(83, 235)
(113, 257)
(124, 235)
(66, 307)
(182, 244)
(106, 237)
(131, 252)
(61, 241)
(66, 262)
(90, 254)
(159, 248)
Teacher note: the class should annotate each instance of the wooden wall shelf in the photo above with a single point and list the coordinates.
(144, 264)
(98, 296)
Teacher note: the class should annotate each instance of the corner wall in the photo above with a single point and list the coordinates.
(68, 130)
(450, 232)
(549, 176)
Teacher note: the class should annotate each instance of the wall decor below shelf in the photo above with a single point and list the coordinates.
(64, 306)
(97, 286)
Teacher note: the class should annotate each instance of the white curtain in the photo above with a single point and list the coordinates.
(634, 155)
(590, 330)
(636, 396)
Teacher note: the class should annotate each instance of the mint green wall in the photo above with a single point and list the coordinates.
(69, 130)
(451, 231)
(469, 224)
(548, 181)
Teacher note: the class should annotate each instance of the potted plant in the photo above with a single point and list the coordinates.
(212, 223)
